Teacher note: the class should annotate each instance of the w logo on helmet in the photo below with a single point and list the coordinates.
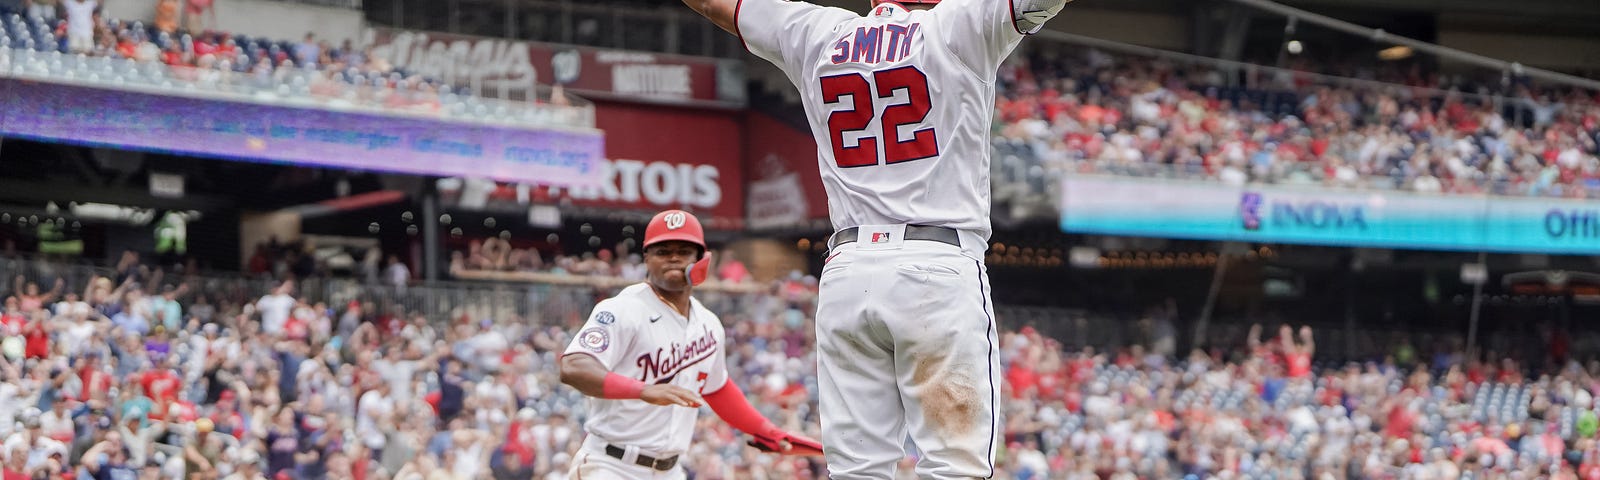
(675, 220)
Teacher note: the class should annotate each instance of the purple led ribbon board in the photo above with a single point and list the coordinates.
(279, 134)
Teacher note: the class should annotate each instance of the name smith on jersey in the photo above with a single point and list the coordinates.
(882, 43)
(665, 364)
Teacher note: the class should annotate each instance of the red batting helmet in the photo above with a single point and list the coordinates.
(674, 225)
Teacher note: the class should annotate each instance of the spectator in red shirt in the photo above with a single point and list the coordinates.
(37, 335)
(732, 270)
(16, 463)
(1023, 380)
(1297, 357)
(95, 380)
(162, 386)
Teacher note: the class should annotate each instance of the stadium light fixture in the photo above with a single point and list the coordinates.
(1397, 52)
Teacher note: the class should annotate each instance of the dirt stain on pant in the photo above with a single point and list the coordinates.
(950, 400)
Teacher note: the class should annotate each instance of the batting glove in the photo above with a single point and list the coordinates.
(799, 445)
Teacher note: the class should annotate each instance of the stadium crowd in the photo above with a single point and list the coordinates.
(282, 260)
(495, 254)
(141, 376)
(1090, 112)
(311, 66)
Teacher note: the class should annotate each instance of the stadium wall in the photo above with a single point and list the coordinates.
(686, 138)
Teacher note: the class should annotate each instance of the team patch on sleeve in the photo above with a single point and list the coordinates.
(595, 339)
(605, 318)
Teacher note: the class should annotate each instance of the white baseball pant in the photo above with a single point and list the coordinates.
(907, 343)
(592, 463)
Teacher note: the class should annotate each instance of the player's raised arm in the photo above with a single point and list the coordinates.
(721, 12)
(983, 32)
(780, 31)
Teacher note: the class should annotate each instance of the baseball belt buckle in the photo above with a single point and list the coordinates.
(661, 464)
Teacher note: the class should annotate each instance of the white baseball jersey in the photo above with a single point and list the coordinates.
(636, 335)
(900, 102)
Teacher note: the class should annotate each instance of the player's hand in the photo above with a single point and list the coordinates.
(669, 395)
(788, 444)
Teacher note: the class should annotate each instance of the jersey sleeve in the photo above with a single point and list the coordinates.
(606, 336)
(786, 33)
(983, 32)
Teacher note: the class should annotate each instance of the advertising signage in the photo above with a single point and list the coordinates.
(269, 133)
(1324, 216)
(515, 68)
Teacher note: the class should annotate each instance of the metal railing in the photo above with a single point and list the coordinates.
(552, 300)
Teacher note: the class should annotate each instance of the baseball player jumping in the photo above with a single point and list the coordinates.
(649, 356)
(900, 103)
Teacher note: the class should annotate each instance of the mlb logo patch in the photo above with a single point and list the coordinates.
(881, 237)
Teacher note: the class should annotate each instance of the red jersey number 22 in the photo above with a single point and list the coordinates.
(924, 143)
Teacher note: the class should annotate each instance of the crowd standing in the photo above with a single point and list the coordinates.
(1089, 112)
(133, 375)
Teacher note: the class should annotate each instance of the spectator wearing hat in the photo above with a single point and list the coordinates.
(139, 433)
(202, 450)
(516, 457)
(226, 417)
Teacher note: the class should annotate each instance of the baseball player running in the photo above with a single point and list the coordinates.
(900, 103)
(649, 356)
